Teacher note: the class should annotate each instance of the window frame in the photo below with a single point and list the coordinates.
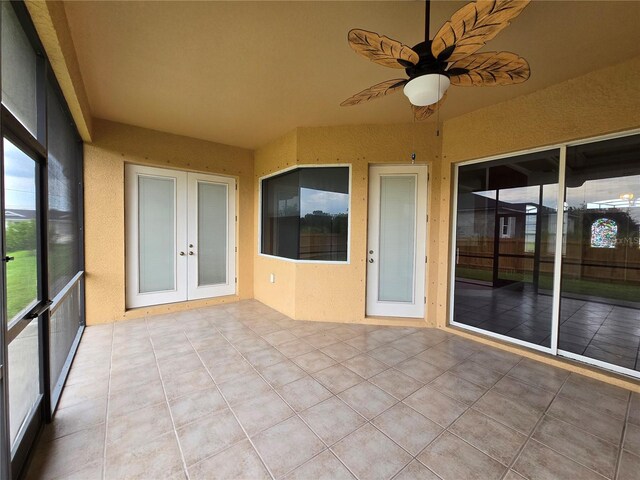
(259, 213)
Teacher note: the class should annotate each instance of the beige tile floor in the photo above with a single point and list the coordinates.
(240, 391)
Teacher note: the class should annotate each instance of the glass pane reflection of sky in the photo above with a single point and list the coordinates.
(19, 179)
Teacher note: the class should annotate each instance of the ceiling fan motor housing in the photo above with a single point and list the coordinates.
(428, 63)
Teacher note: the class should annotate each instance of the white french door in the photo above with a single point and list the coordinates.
(180, 231)
(397, 241)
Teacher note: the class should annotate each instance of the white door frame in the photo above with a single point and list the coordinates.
(229, 287)
(133, 296)
(185, 233)
(374, 307)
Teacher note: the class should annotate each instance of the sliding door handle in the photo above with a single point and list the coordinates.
(8, 259)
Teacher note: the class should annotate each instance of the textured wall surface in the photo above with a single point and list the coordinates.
(336, 292)
(113, 146)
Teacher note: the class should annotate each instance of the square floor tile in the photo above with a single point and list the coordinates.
(274, 446)
(396, 383)
(497, 360)
(421, 371)
(632, 439)
(261, 412)
(238, 461)
(265, 358)
(458, 388)
(416, 471)
(388, 355)
(370, 454)
(489, 436)
(407, 428)
(324, 466)
(155, 458)
(537, 373)
(337, 378)
(530, 395)
(452, 459)
(209, 435)
(438, 358)
(436, 406)
(304, 393)
(538, 461)
(476, 373)
(367, 399)
(629, 466)
(508, 411)
(365, 366)
(320, 340)
(282, 373)
(586, 449)
(332, 420)
(295, 347)
(180, 384)
(243, 388)
(604, 426)
(340, 351)
(139, 425)
(363, 343)
(314, 361)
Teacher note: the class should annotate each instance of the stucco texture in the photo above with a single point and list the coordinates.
(116, 144)
(336, 292)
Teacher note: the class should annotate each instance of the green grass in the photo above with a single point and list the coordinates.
(594, 288)
(22, 281)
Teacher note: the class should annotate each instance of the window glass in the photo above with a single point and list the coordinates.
(18, 70)
(506, 224)
(600, 305)
(21, 230)
(305, 214)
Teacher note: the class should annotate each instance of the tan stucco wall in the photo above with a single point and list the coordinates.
(336, 292)
(116, 144)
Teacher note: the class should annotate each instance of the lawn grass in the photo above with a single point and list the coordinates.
(22, 281)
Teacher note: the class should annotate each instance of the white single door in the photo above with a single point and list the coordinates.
(211, 227)
(156, 235)
(397, 241)
(180, 236)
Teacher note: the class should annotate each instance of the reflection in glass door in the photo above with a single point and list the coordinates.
(22, 230)
(505, 242)
(577, 295)
(600, 308)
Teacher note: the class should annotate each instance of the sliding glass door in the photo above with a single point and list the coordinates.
(42, 306)
(513, 277)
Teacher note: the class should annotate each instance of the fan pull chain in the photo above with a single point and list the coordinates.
(413, 142)
(438, 112)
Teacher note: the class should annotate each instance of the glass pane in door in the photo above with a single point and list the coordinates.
(505, 242)
(156, 233)
(397, 238)
(212, 233)
(24, 377)
(21, 230)
(600, 305)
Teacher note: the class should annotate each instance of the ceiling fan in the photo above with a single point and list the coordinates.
(449, 59)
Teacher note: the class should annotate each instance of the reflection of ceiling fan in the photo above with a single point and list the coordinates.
(448, 59)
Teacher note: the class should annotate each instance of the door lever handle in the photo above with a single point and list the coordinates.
(8, 259)
(36, 312)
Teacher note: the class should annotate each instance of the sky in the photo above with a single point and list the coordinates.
(328, 202)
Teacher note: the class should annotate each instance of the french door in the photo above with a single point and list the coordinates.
(180, 236)
(397, 241)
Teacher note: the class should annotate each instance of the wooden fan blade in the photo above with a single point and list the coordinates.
(489, 69)
(422, 113)
(472, 26)
(382, 50)
(377, 91)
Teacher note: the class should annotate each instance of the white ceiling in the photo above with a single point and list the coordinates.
(244, 73)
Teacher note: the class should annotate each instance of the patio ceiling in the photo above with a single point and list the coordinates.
(244, 73)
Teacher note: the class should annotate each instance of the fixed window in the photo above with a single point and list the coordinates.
(305, 214)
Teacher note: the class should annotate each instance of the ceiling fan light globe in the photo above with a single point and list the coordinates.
(426, 89)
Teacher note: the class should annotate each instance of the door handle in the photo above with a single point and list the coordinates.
(8, 259)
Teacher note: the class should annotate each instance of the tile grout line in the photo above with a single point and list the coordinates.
(623, 437)
(166, 400)
(106, 420)
(230, 409)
